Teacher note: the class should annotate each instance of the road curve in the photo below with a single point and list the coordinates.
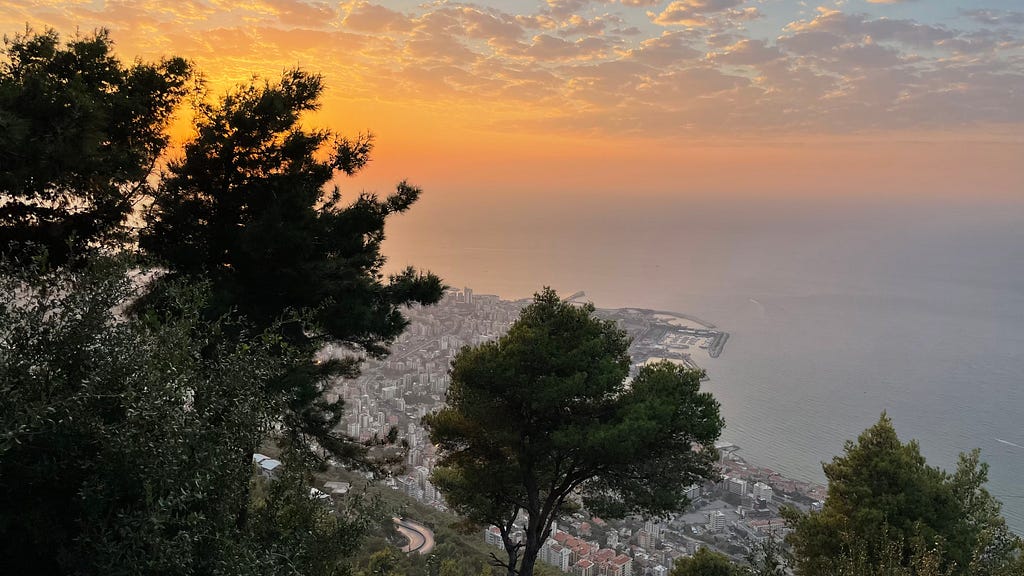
(421, 538)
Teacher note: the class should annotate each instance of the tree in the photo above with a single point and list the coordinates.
(544, 412)
(121, 439)
(79, 135)
(706, 563)
(994, 549)
(884, 497)
(246, 209)
(768, 558)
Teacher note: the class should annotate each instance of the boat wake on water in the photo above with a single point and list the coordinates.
(1008, 443)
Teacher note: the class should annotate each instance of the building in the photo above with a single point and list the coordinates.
(693, 493)
(761, 529)
(621, 565)
(267, 465)
(716, 521)
(492, 536)
(337, 488)
(645, 539)
(654, 528)
(763, 491)
(556, 555)
(736, 486)
(583, 568)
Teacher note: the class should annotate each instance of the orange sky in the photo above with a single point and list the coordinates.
(583, 97)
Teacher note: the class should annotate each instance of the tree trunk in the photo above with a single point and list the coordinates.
(530, 554)
(513, 554)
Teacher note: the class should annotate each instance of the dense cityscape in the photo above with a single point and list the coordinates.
(729, 516)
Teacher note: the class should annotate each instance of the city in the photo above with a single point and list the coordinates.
(730, 516)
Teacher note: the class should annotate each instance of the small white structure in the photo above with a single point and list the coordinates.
(337, 488)
(319, 496)
(268, 466)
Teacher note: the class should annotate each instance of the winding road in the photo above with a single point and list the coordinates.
(421, 538)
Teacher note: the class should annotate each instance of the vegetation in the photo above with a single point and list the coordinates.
(544, 412)
(135, 399)
(245, 209)
(79, 136)
(122, 440)
(887, 507)
(707, 563)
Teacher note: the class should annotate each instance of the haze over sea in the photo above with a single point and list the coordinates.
(838, 310)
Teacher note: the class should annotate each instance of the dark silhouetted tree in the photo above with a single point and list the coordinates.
(545, 411)
(79, 136)
(248, 208)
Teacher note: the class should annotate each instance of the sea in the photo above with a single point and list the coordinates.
(838, 310)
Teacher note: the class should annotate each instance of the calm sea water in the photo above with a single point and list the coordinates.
(837, 311)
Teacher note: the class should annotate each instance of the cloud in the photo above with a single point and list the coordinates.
(297, 13)
(545, 47)
(995, 17)
(836, 24)
(666, 50)
(366, 17)
(565, 8)
(748, 52)
(692, 67)
(691, 12)
(577, 25)
(499, 29)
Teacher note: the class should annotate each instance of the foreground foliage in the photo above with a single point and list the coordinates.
(125, 443)
(887, 509)
(544, 412)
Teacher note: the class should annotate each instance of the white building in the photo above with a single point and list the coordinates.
(736, 486)
(267, 465)
(716, 521)
(693, 492)
(763, 491)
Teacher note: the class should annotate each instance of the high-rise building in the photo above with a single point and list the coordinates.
(763, 491)
(645, 539)
(716, 521)
(736, 486)
(693, 492)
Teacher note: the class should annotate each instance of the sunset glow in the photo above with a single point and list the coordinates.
(629, 96)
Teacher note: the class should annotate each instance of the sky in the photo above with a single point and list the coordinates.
(584, 98)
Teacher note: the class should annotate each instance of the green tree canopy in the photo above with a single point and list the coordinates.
(706, 563)
(882, 495)
(79, 135)
(124, 443)
(546, 410)
(246, 209)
